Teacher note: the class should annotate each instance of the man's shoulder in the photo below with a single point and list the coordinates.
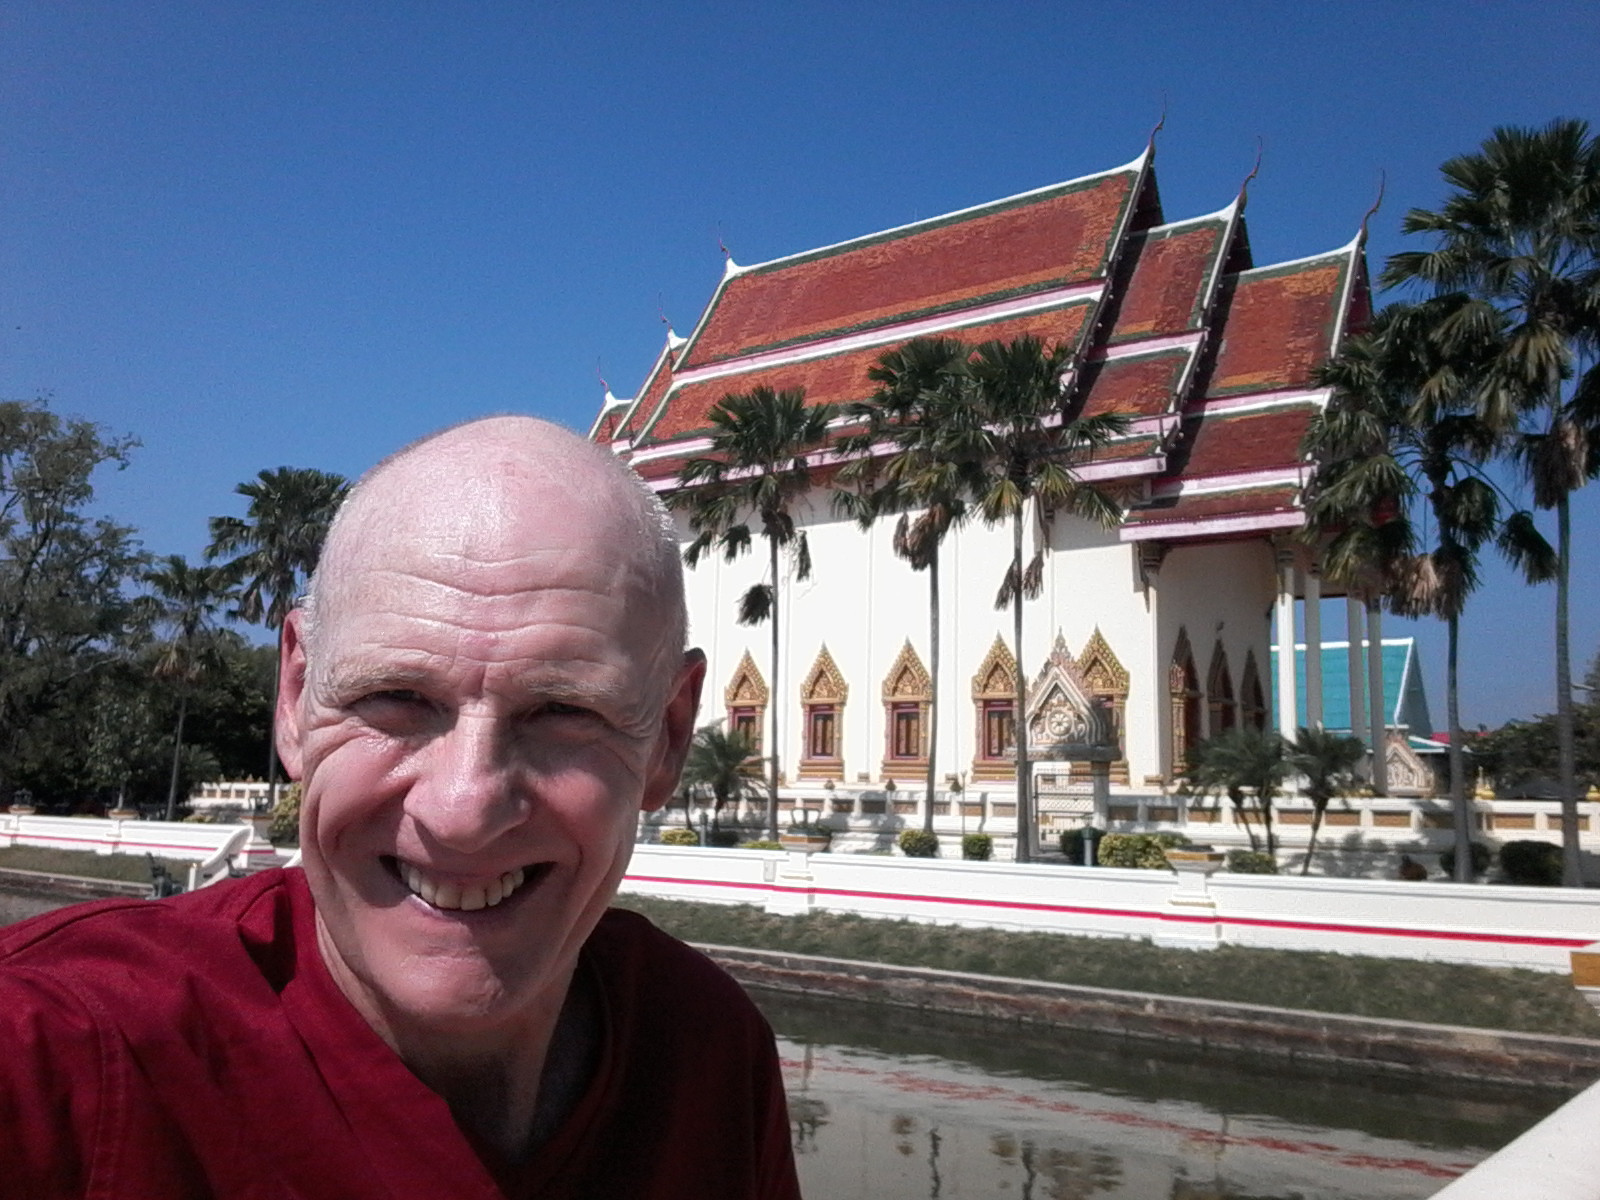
(124, 939)
(626, 942)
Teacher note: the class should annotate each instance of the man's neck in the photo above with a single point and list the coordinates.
(513, 1094)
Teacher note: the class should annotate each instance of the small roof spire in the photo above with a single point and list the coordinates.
(1244, 188)
(1151, 146)
(1361, 238)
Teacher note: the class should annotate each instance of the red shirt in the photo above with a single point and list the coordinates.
(198, 1047)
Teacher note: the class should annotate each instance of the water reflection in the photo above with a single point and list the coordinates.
(889, 1105)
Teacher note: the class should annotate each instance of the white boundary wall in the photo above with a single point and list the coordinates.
(1466, 923)
(165, 839)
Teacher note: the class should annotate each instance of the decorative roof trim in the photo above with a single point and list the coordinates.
(1135, 167)
(1342, 252)
(1357, 250)
(1209, 484)
(1261, 401)
(1126, 468)
(1210, 526)
(1166, 343)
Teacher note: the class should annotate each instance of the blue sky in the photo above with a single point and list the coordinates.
(302, 234)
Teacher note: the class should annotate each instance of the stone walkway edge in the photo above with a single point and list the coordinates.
(1328, 1039)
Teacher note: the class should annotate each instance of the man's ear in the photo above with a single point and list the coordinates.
(291, 686)
(677, 730)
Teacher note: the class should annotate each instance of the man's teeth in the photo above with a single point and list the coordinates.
(465, 896)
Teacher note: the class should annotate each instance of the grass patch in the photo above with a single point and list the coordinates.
(1435, 993)
(129, 868)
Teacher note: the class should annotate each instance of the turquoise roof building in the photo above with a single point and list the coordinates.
(1405, 701)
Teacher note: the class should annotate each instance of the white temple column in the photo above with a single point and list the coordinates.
(1313, 578)
(1284, 612)
(1376, 713)
(1354, 635)
(1354, 624)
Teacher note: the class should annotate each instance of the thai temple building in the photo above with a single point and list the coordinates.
(1161, 629)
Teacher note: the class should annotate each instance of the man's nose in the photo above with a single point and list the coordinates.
(467, 794)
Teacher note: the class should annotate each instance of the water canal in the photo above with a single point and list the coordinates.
(891, 1105)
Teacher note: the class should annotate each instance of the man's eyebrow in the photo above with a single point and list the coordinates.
(354, 680)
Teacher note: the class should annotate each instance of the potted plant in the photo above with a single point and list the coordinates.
(807, 835)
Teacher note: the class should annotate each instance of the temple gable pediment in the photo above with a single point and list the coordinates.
(1066, 720)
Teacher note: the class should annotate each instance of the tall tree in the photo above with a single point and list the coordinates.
(271, 551)
(1519, 232)
(757, 471)
(1403, 427)
(1026, 436)
(64, 612)
(897, 463)
(187, 600)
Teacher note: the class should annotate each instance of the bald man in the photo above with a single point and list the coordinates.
(486, 686)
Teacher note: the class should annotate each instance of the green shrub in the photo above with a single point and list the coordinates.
(761, 844)
(1535, 864)
(918, 843)
(1072, 844)
(1143, 851)
(726, 838)
(977, 847)
(285, 825)
(1251, 862)
(679, 837)
(1480, 860)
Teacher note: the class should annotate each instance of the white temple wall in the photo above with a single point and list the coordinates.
(864, 603)
(1219, 592)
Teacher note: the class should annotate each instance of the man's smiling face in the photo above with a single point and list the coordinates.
(486, 701)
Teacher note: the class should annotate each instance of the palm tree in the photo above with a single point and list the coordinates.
(1520, 234)
(186, 600)
(722, 762)
(757, 469)
(1025, 437)
(1245, 764)
(923, 396)
(271, 551)
(1402, 426)
(1327, 762)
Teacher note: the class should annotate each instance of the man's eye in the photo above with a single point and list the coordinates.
(393, 704)
(557, 709)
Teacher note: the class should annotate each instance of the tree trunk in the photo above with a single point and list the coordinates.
(1019, 716)
(1459, 800)
(774, 698)
(272, 731)
(1316, 825)
(177, 752)
(1571, 861)
(932, 746)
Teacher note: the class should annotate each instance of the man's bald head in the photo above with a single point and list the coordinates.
(477, 490)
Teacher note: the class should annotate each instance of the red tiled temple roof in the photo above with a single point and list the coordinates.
(1222, 443)
(1169, 285)
(606, 428)
(1143, 386)
(1280, 326)
(1115, 280)
(840, 378)
(1047, 239)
